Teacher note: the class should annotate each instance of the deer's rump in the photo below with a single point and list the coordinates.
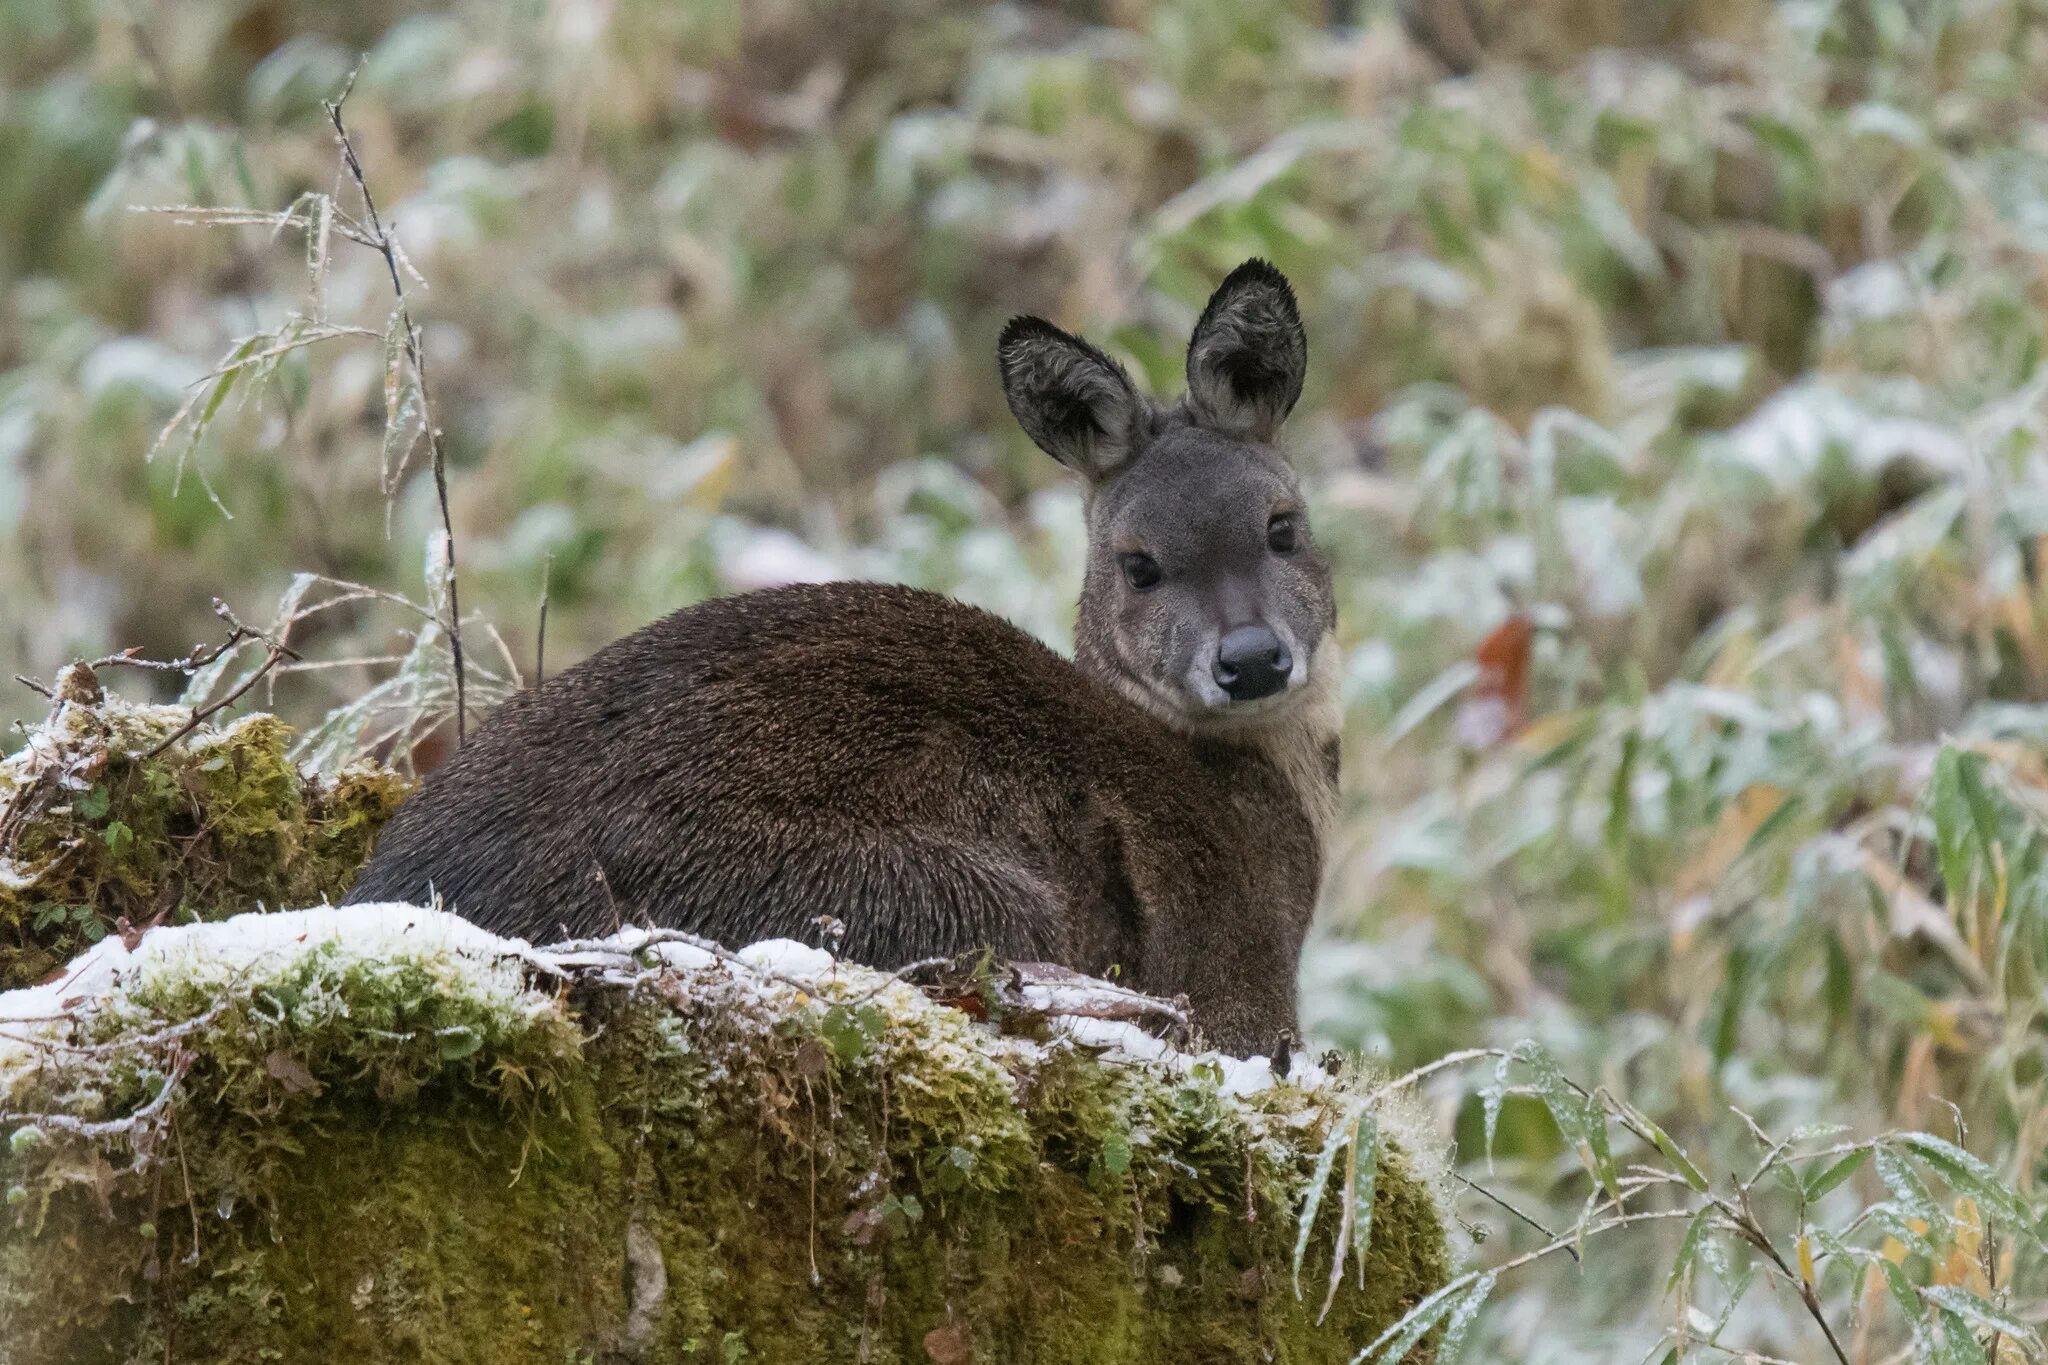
(906, 764)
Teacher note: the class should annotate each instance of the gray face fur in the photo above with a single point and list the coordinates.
(1196, 525)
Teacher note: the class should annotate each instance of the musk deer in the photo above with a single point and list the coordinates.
(931, 776)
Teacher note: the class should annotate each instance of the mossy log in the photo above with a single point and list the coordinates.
(378, 1133)
(116, 816)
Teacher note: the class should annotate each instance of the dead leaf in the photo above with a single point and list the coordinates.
(291, 1073)
(1497, 707)
(949, 1345)
(813, 1059)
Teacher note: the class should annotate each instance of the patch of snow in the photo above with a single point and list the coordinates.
(90, 974)
(1239, 1076)
(246, 950)
(15, 877)
(516, 980)
(787, 957)
(1115, 1035)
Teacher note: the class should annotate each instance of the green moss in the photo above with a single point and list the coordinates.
(384, 1152)
(101, 832)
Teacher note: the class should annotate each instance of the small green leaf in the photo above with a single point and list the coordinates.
(1908, 1192)
(953, 1168)
(1583, 1123)
(1902, 1291)
(1957, 1344)
(906, 1207)
(1835, 1174)
(460, 1042)
(1116, 1154)
(118, 837)
(93, 804)
(1691, 1174)
(1688, 1252)
(1490, 1101)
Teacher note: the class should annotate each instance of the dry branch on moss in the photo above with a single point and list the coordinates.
(409, 418)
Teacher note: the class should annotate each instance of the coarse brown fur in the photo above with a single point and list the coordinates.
(930, 776)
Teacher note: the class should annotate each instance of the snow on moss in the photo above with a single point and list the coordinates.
(113, 819)
(379, 1130)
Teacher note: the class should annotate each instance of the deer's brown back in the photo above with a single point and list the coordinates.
(922, 771)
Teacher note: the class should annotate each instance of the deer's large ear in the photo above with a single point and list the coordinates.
(1248, 354)
(1074, 401)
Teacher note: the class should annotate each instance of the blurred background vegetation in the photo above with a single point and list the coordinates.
(1674, 420)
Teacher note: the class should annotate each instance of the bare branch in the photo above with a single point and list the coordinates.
(382, 241)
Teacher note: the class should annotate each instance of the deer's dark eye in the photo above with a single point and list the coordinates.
(1281, 534)
(1140, 571)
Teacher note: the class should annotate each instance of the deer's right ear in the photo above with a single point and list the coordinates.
(1074, 401)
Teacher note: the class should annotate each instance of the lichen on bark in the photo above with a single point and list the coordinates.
(377, 1133)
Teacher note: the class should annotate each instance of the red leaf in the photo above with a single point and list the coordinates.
(1498, 704)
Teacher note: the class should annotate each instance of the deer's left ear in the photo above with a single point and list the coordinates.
(1248, 354)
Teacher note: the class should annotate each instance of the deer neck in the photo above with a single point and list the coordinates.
(1302, 743)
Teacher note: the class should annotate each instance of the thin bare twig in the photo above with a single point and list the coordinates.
(1495, 1199)
(386, 245)
(237, 633)
(87, 1128)
(201, 714)
(540, 643)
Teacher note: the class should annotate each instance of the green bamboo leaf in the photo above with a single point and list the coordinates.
(231, 370)
(1418, 1322)
(1835, 1174)
(1909, 1194)
(1458, 1325)
(1312, 1198)
(1981, 1313)
(1950, 811)
(1620, 794)
(1490, 1100)
(1906, 1297)
(1663, 1141)
(1970, 1176)
(1583, 1123)
(1688, 1252)
(1365, 1142)
(1977, 795)
(1955, 1343)
(1737, 1289)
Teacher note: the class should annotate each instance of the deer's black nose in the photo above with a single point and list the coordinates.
(1252, 663)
